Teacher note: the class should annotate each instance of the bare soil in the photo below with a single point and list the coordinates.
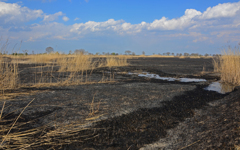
(133, 112)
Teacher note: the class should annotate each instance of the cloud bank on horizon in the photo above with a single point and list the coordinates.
(215, 25)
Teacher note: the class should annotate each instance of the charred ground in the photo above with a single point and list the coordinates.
(141, 111)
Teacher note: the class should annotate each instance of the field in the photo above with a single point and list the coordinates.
(90, 102)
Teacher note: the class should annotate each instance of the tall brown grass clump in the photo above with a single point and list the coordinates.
(229, 66)
(8, 75)
(43, 58)
(116, 61)
(77, 63)
(8, 70)
(77, 66)
(216, 63)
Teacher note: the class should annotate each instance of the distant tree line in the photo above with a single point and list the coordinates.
(127, 52)
(184, 54)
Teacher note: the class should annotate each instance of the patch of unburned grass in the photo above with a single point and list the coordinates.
(8, 71)
(77, 63)
(8, 74)
(229, 66)
(72, 69)
(216, 63)
(43, 58)
(116, 61)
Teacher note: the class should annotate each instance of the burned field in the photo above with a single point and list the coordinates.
(118, 110)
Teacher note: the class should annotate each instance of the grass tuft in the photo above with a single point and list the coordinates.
(116, 61)
(43, 58)
(77, 63)
(8, 71)
(229, 66)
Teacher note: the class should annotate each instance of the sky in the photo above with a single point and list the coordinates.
(152, 26)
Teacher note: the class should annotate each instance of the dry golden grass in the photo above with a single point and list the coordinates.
(116, 61)
(43, 58)
(8, 74)
(77, 63)
(237, 147)
(117, 56)
(161, 56)
(8, 71)
(35, 137)
(74, 69)
(78, 68)
(216, 63)
(229, 66)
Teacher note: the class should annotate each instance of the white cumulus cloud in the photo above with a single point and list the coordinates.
(180, 23)
(52, 17)
(221, 10)
(194, 25)
(65, 18)
(49, 30)
(76, 19)
(13, 13)
(92, 26)
(119, 26)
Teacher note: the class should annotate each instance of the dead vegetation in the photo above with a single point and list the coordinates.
(50, 70)
(116, 61)
(73, 69)
(229, 66)
(8, 75)
(41, 136)
(8, 70)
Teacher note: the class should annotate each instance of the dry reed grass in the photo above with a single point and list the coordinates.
(43, 58)
(81, 65)
(216, 63)
(161, 56)
(73, 68)
(8, 71)
(8, 75)
(44, 135)
(229, 66)
(116, 61)
(77, 63)
(7, 135)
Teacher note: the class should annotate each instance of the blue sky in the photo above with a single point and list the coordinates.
(152, 26)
